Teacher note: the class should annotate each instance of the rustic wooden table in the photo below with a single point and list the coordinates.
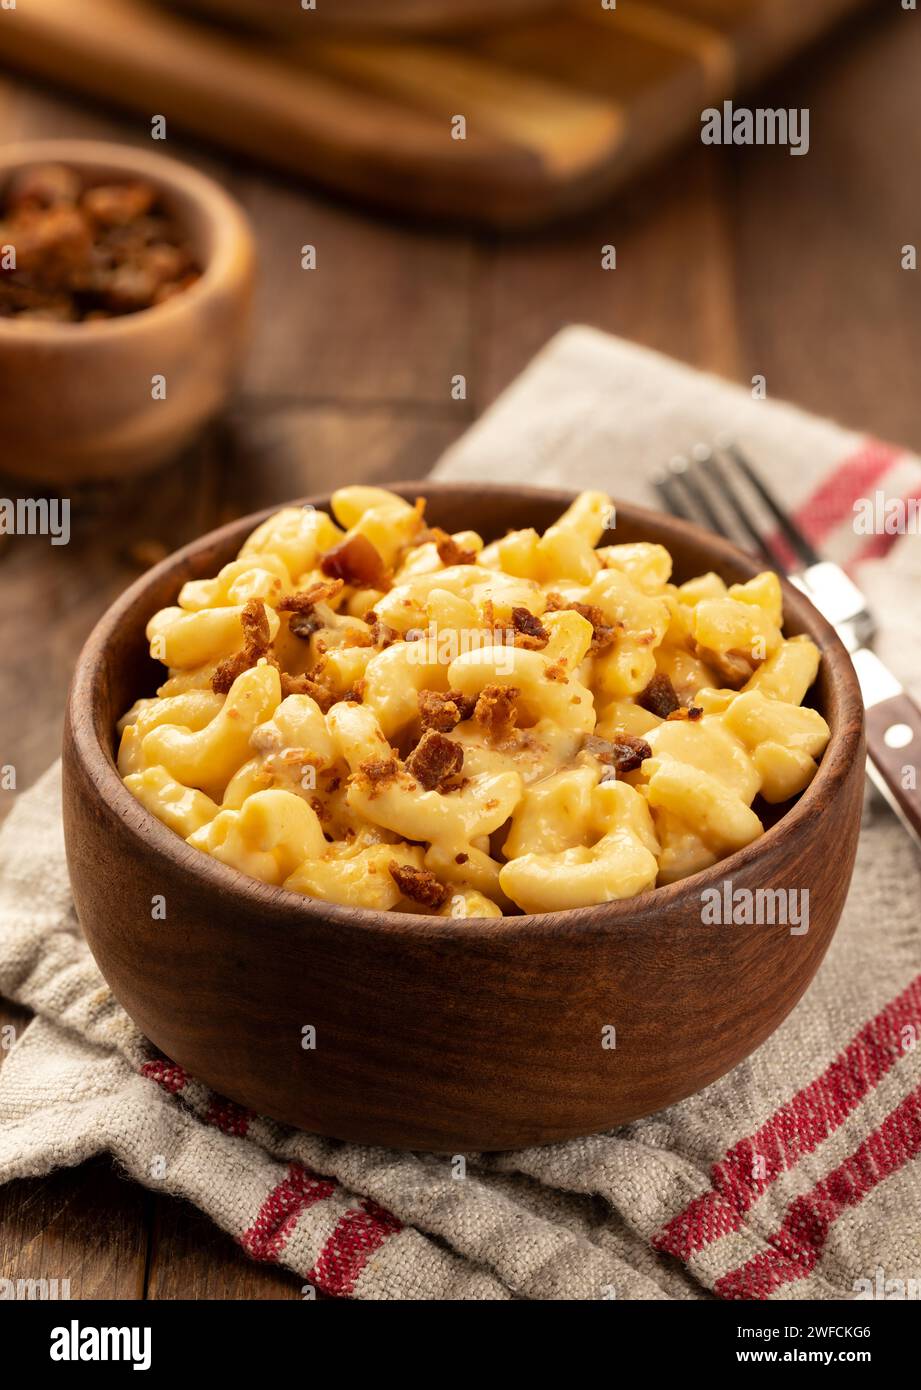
(739, 261)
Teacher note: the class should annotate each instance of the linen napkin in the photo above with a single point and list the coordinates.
(795, 1176)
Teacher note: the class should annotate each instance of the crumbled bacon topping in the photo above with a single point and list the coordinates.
(444, 709)
(382, 635)
(529, 630)
(659, 697)
(692, 712)
(256, 643)
(604, 634)
(419, 885)
(435, 760)
(355, 561)
(306, 685)
(623, 753)
(304, 619)
(305, 599)
(495, 710)
(380, 771)
(450, 551)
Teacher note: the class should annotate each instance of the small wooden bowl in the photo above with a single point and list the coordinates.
(76, 402)
(433, 1034)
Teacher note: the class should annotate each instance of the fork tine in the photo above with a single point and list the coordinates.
(689, 484)
(798, 542)
(719, 478)
(667, 488)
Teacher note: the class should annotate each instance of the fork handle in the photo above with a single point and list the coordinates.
(894, 748)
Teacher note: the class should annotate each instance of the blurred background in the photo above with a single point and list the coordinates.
(438, 258)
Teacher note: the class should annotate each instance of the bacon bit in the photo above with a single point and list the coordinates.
(355, 693)
(355, 561)
(659, 697)
(434, 760)
(381, 634)
(305, 685)
(604, 634)
(495, 710)
(419, 885)
(380, 771)
(692, 712)
(304, 620)
(529, 630)
(305, 599)
(444, 710)
(256, 643)
(556, 671)
(450, 551)
(461, 858)
(623, 753)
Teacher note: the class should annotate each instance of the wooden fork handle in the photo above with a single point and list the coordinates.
(894, 748)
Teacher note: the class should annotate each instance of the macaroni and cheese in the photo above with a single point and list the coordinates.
(368, 710)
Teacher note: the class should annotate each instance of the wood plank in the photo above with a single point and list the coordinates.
(190, 1257)
(672, 289)
(383, 318)
(289, 450)
(402, 16)
(87, 1226)
(826, 311)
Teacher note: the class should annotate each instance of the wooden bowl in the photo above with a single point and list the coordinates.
(355, 17)
(433, 1034)
(76, 401)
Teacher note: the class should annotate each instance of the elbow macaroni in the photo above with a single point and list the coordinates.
(375, 713)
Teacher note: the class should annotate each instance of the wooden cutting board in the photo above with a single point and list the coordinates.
(559, 108)
(379, 16)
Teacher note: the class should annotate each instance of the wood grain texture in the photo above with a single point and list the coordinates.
(190, 1257)
(403, 16)
(894, 744)
(433, 1034)
(559, 110)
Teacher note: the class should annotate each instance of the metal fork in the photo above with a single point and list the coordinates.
(720, 488)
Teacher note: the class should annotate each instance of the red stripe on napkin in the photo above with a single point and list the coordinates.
(800, 1240)
(833, 499)
(279, 1213)
(360, 1231)
(836, 494)
(166, 1074)
(797, 1128)
(228, 1116)
(877, 546)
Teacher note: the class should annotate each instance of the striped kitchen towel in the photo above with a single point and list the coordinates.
(795, 1176)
